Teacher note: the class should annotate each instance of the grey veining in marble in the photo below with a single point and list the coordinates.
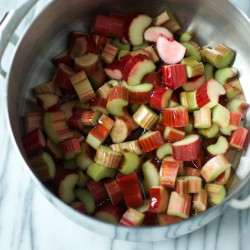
(28, 221)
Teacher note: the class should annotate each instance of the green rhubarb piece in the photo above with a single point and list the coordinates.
(202, 118)
(216, 193)
(231, 92)
(220, 115)
(83, 160)
(209, 71)
(210, 132)
(193, 67)
(43, 166)
(219, 148)
(130, 163)
(164, 150)
(106, 217)
(134, 107)
(83, 179)
(69, 164)
(141, 46)
(80, 105)
(120, 45)
(186, 36)
(189, 128)
(222, 75)
(188, 99)
(98, 172)
(122, 53)
(228, 130)
(214, 167)
(219, 57)
(87, 200)
(193, 49)
(49, 128)
(113, 83)
(167, 20)
(144, 207)
(151, 176)
(234, 105)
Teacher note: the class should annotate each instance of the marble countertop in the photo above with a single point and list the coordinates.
(28, 221)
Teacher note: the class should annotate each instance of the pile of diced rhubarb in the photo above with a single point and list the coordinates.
(135, 127)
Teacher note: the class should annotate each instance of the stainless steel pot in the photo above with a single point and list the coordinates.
(35, 32)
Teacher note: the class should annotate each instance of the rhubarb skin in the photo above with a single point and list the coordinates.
(151, 140)
(173, 135)
(33, 142)
(235, 119)
(33, 120)
(62, 77)
(160, 98)
(108, 26)
(185, 151)
(130, 189)
(176, 117)
(168, 173)
(174, 76)
(114, 191)
(179, 205)
(159, 198)
(70, 148)
(238, 138)
(189, 171)
(153, 78)
(98, 191)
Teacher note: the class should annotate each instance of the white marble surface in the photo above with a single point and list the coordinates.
(28, 221)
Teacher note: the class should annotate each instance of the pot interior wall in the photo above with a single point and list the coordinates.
(47, 37)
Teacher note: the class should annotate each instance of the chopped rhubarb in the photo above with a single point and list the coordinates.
(187, 149)
(200, 201)
(238, 137)
(158, 199)
(106, 157)
(215, 193)
(33, 142)
(117, 100)
(114, 191)
(160, 98)
(136, 68)
(179, 205)
(169, 50)
(214, 167)
(70, 148)
(82, 86)
(165, 219)
(151, 140)
(176, 117)
(202, 118)
(130, 189)
(109, 53)
(98, 172)
(168, 173)
(132, 218)
(98, 191)
(173, 134)
(145, 117)
(151, 34)
(33, 120)
(88, 63)
(174, 76)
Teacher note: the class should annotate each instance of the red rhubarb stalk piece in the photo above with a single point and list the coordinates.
(70, 148)
(207, 95)
(62, 77)
(172, 134)
(151, 140)
(130, 189)
(33, 120)
(108, 26)
(152, 33)
(114, 191)
(33, 142)
(97, 190)
(160, 98)
(176, 117)
(187, 149)
(168, 173)
(158, 199)
(153, 78)
(82, 46)
(62, 58)
(174, 76)
(238, 137)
